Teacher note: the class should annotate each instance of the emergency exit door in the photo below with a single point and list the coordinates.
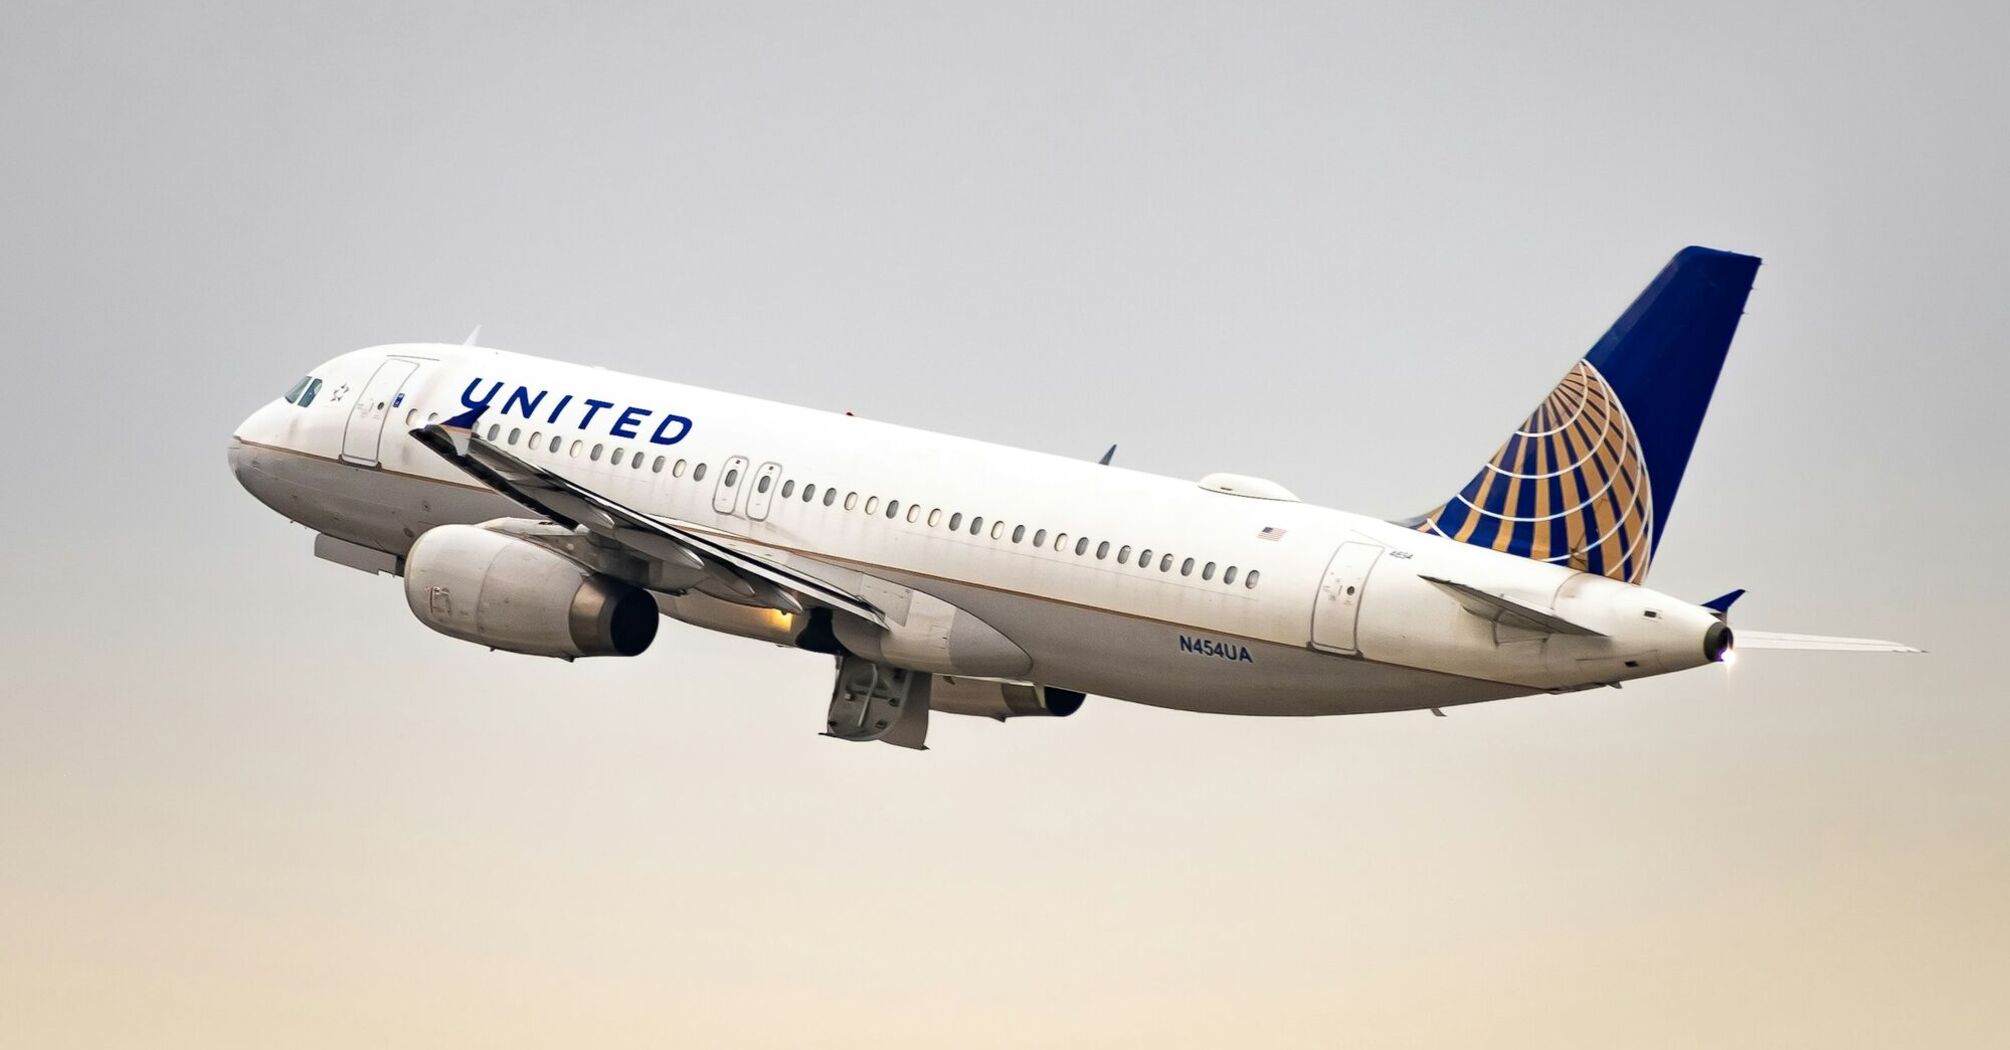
(1337, 612)
(762, 497)
(726, 498)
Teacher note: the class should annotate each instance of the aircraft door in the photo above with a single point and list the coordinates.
(1337, 609)
(766, 480)
(726, 498)
(375, 404)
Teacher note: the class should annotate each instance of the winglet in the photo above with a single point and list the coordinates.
(1107, 456)
(1721, 604)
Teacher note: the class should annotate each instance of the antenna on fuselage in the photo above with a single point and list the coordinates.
(1107, 456)
(472, 336)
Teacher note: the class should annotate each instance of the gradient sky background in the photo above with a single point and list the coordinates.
(247, 801)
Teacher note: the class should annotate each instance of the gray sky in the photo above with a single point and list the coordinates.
(247, 800)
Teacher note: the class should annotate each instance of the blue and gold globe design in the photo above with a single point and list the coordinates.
(1570, 487)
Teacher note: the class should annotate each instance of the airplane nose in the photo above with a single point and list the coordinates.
(236, 454)
(259, 428)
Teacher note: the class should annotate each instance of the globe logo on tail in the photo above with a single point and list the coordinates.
(1569, 487)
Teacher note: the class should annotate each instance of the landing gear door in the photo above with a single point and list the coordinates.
(374, 405)
(1337, 612)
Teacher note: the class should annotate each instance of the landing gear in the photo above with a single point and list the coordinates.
(874, 701)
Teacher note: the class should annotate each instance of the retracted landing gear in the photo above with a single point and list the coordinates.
(874, 701)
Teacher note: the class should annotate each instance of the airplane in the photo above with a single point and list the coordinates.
(545, 508)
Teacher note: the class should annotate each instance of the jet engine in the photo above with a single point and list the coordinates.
(480, 586)
(986, 698)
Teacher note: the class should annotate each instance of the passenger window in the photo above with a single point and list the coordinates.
(1186, 567)
(432, 417)
(514, 433)
(1228, 575)
(914, 513)
(698, 472)
(1207, 571)
(892, 509)
(762, 485)
(1165, 563)
(976, 526)
(1039, 537)
(830, 496)
(955, 520)
(1250, 580)
(732, 477)
(809, 493)
(657, 467)
(1018, 533)
(576, 446)
(677, 471)
(997, 529)
(1102, 550)
(596, 453)
(1124, 554)
(537, 440)
(872, 504)
(850, 500)
(788, 489)
(555, 442)
(616, 458)
(1082, 546)
(636, 463)
(494, 429)
(1060, 542)
(411, 417)
(1145, 558)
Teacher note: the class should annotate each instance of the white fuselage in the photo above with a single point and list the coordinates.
(1326, 612)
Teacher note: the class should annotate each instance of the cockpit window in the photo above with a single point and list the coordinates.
(303, 392)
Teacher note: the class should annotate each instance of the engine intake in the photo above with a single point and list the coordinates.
(480, 586)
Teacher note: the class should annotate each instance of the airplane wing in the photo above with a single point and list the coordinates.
(1500, 608)
(677, 543)
(1817, 643)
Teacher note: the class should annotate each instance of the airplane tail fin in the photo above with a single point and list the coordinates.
(1589, 479)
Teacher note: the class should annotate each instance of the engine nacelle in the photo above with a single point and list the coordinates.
(1001, 700)
(481, 586)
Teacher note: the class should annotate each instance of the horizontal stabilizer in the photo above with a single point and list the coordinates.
(1819, 643)
(1499, 608)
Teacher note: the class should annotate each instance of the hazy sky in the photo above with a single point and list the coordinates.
(247, 801)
